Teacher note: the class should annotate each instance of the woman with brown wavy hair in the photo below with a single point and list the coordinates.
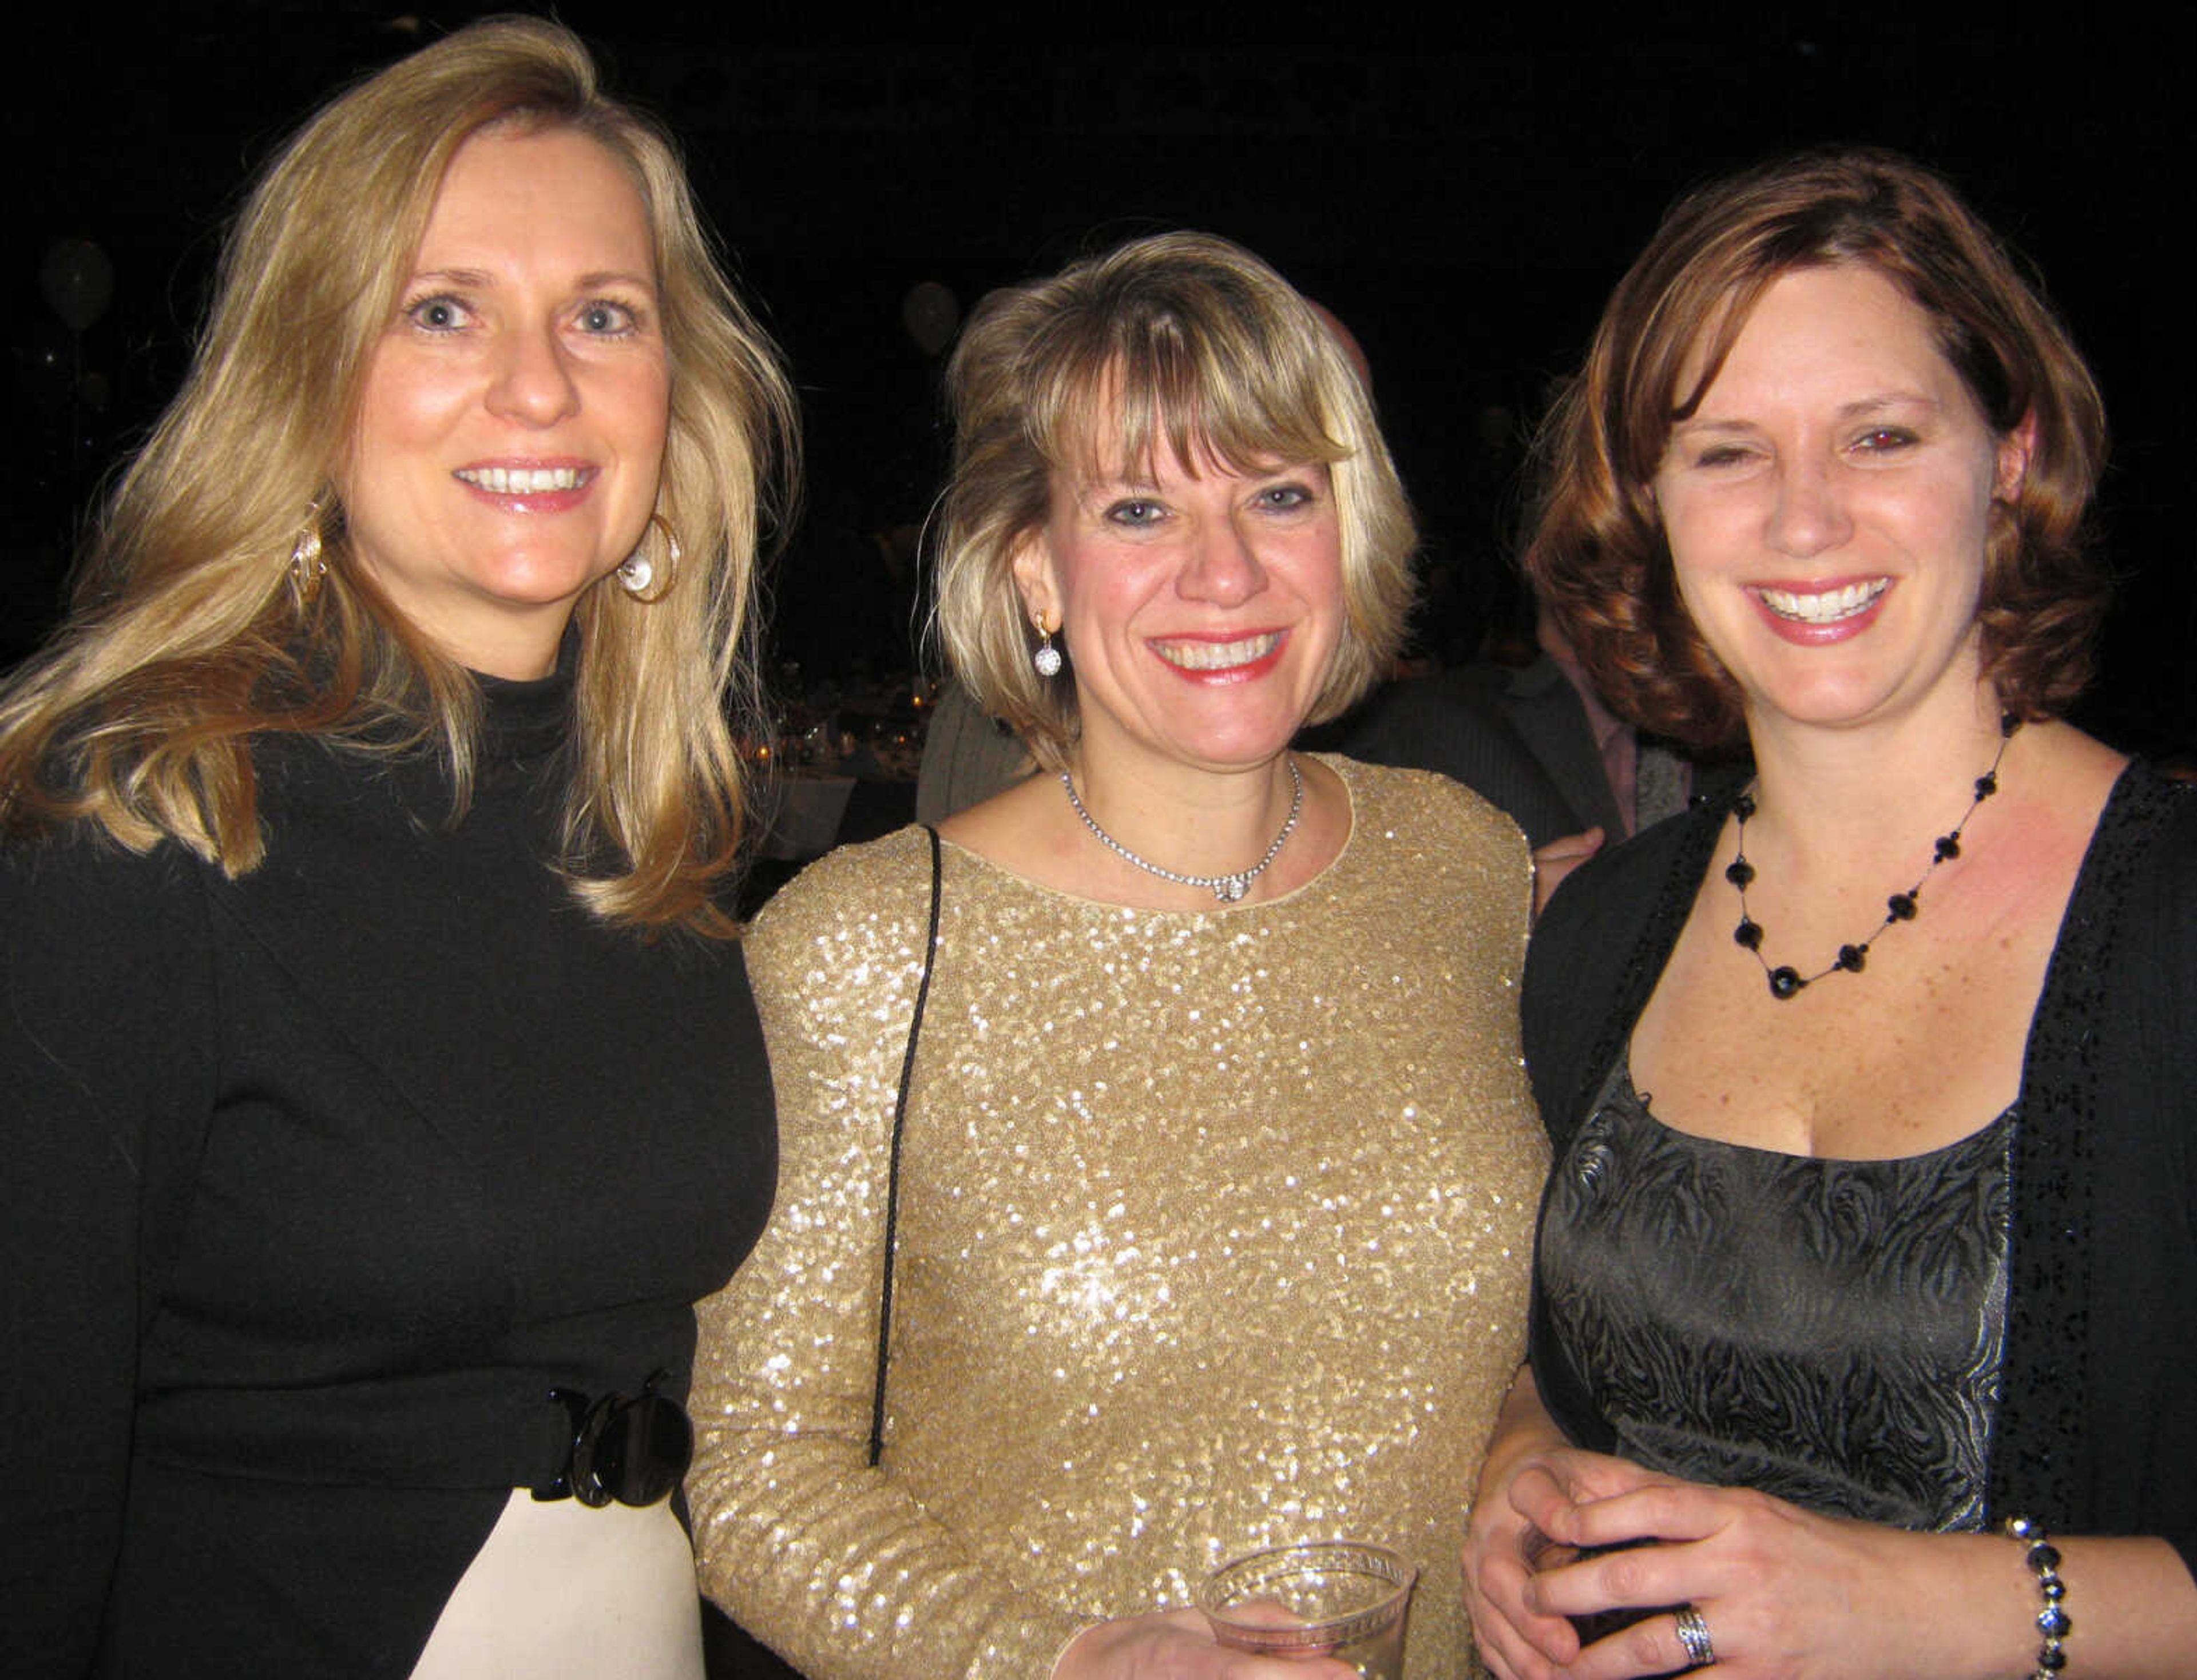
(1870, 1086)
(382, 1083)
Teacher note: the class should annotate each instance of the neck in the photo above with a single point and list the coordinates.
(1200, 823)
(1839, 799)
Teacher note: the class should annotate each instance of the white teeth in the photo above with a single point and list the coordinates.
(521, 480)
(1829, 607)
(1217, 656)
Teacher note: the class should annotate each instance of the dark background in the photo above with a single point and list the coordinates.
(1463, 202)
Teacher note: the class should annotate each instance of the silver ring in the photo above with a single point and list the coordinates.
(1694, 1635)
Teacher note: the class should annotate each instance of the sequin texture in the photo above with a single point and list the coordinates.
(1213, 1232)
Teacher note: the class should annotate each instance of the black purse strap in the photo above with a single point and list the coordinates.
(892, 1170)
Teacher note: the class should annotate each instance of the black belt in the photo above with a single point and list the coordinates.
(633, 1449)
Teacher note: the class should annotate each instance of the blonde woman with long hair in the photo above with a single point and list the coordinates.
(383, 1086)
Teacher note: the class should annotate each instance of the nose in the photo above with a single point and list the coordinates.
(530, 382)
(1224, 566)
(1810, 516)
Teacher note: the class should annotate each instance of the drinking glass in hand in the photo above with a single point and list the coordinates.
(1327, 1598)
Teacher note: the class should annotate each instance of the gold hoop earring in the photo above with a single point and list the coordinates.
(639, 571)
(309, 567)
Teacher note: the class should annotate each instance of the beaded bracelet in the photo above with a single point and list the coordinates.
(2043, 1560)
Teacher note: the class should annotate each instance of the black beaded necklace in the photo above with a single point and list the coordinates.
(1787, 983)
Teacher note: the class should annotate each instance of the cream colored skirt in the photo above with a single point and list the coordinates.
(562, 1592)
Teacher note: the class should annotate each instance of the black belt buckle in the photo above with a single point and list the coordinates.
(633, 1449)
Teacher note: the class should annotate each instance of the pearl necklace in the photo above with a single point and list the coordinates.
(1787, 983)
(1226, 888)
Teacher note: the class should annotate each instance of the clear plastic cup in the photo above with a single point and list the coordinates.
(1325, 1598)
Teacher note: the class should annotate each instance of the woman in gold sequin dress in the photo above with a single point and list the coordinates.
(1218, 1170)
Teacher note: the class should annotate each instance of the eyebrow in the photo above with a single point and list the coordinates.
(450, 277)
(1142, 478)
(1095, 492)
(600, 277)
(1860, 408)
(480, 279)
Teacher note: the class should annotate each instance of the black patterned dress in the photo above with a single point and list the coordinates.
(1827, 1331)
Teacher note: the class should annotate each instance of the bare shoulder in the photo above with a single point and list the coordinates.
(2051, 799)
(996, 827)
(1028, 830)
(2077, 772)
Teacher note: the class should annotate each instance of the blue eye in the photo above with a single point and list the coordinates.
(1283, 498)
(606, 318)
(438, 314)
(1135, 510)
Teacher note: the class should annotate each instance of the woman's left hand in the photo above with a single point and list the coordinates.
(1781, 1591)
(1556, 860)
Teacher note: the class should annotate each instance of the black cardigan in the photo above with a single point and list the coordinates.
(312, 1185)
(2097, 1430)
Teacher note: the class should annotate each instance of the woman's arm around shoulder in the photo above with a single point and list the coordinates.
(803, 1542)
(107, 1066)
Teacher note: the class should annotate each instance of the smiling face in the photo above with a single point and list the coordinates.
(1201, 609)
(1828, 503)
(511, 430)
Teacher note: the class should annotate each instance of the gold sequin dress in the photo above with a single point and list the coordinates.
(1214, 1234)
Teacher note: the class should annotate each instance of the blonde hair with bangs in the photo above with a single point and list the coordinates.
(1180, 342)
(186, 638)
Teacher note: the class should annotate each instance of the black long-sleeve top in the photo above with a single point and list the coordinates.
(313, 1184)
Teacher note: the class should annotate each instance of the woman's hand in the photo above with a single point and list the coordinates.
(1178, 1645)
(1530, 1483)
(1556, 860)
(1781, 1591)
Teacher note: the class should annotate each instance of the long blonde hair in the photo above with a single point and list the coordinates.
(189, 634)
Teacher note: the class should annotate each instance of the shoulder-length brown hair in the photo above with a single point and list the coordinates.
(188, 637)
(1203, 350)
(1599, 557)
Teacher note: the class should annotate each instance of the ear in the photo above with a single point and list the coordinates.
(2015, 451)
(1032, 564)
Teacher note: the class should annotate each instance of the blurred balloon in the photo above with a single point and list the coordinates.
(930, 313)
(78, 281)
